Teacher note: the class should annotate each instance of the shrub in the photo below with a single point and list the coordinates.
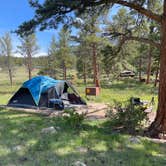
(73, 119)
(127, 116)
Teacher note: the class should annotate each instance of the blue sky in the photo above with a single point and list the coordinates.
(14, 12)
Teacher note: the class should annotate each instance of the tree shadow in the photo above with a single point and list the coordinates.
(103, 147)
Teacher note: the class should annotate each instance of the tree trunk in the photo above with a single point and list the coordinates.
(29, 73)
(29, 65)
(95, 68)
(9, 70)
(10, 76)
(64, 71)
(156, 77)
(140, 69)
(50, 71)
(159, 125)
(149, 65)
(84, 73)
(149, 57)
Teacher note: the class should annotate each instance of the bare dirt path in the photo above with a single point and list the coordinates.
(94, 110)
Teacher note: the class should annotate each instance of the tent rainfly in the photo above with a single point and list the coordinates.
(45, 92)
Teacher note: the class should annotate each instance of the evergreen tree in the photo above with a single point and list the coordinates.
(50, 13)
(28, 49)
(84, 60)
(52, 58)
(65, 59)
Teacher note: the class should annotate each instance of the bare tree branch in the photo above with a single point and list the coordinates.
(140, 9)
(133, 5)
(144, 40)
(126, 37)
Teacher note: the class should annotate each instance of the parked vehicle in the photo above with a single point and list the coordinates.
(127, 73)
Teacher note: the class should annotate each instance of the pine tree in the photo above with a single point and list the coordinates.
(64, 56)
(28, 49)
(59, 11)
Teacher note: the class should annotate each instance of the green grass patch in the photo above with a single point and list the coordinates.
(116, 91)
(22, 143)
(121, 91)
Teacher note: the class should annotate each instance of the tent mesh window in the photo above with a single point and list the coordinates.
(46, 96)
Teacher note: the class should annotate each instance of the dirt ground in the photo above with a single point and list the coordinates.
(99, 110)
(92, 111)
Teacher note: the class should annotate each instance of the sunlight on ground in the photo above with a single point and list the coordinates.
(22, 143)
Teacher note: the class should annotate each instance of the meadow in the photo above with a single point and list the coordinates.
(120, 91)
(94, 143)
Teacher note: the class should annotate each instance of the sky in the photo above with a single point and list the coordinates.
(13, 13)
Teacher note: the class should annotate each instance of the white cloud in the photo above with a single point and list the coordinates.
(36, 55)
(40, 54)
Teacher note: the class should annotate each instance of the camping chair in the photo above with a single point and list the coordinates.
(136, 102)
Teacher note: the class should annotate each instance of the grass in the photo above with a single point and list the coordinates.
(123, 90)
(22, 143)
(104, 147)
(19, 76)
(118, 90)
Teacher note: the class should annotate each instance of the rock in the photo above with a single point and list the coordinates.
(134, 140)
(49, 130)
(58, 128)
(66, 114)
(79, 163)
(17, 148)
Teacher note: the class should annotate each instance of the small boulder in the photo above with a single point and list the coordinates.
(49, 130)
(79, 163)
(17, 148)
(66, 114)
(134, 140)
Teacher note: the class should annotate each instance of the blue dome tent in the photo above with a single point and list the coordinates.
(42, 91)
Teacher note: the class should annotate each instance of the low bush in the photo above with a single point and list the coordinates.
(73, 119)
(127, 116)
